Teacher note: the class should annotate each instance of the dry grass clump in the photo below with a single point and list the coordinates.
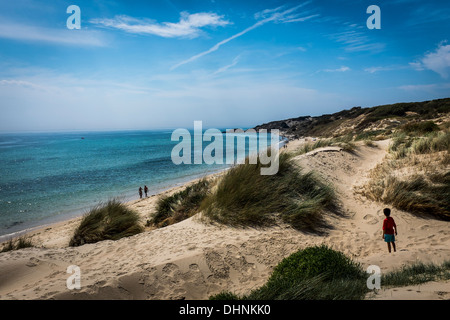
(415, 177)
(17, 244)
(244, 197)
(181, 205)
(110, 221)
(345, 142)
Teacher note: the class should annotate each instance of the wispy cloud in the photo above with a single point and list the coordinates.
(20, 83)
(426, 13)
(437, 61)
(61, 36)
(356, 41)
(386, 68)
(225, 68)
(189, 25)
(341, 69)
(425, 87)
(279, 14)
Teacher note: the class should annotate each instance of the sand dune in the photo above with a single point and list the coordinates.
(193, 260)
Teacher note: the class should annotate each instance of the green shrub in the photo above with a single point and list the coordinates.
(416, 274)
(111, 221)
(399, 139)
(369, 135)
(244, 197)
(419, 128)
(419, 196)
(315, 261)
(181, 205)
(315, 273)
(320, 273)
(433, 142)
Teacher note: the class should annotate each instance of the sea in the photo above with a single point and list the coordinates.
(51, 177)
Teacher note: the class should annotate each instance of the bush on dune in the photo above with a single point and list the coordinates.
(314, 273)
(244, 197)
(419, 128)
(321, 273)
(415, 178)
(111, 221)
(417, 273)
(181, 205)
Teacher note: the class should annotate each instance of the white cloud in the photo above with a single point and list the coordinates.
(356, 41)
(189, 25)
(437, 61)
(269, 15)
(341, 69)
(425, 87)
(386, 68)
(61, 36)
(225, 68)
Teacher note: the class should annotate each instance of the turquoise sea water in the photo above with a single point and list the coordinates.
(47, 177)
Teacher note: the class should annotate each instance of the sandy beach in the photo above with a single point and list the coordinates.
(194, 260)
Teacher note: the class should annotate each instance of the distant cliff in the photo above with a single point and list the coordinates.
(358, 120)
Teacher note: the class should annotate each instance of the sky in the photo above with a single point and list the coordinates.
(166, 63)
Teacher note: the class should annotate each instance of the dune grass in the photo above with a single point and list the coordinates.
(419, 128)
(16, 244)
(314, 273)
(110, 221)
(307, 147)
(181, 205)
(415, 176)
(244, 197)
(417, 273)
(321, 273)
(369, 135)
(345, 142)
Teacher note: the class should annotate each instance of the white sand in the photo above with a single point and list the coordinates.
(194, 260)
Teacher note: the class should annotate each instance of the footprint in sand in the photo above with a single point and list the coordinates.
(33, 262)
(194, 267)
(216, 264)
(371, 219)
(170, 269)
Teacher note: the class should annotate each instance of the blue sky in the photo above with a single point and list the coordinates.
(165, 63)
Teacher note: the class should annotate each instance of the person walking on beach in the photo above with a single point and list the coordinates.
(389, 228)
(146, 191)
(140, 192)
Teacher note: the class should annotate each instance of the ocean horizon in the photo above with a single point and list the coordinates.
(48, 177)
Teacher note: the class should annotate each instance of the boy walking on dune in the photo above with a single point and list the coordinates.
(389, 228)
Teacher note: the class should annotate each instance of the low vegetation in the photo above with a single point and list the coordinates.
(321, 273)
(419, 128)
(416, 274)
(314, 273)
(16, 244)
(244, 197)
(345, 142)
(415, 176)
(365, 123)
(110, 221)
(181, 205)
